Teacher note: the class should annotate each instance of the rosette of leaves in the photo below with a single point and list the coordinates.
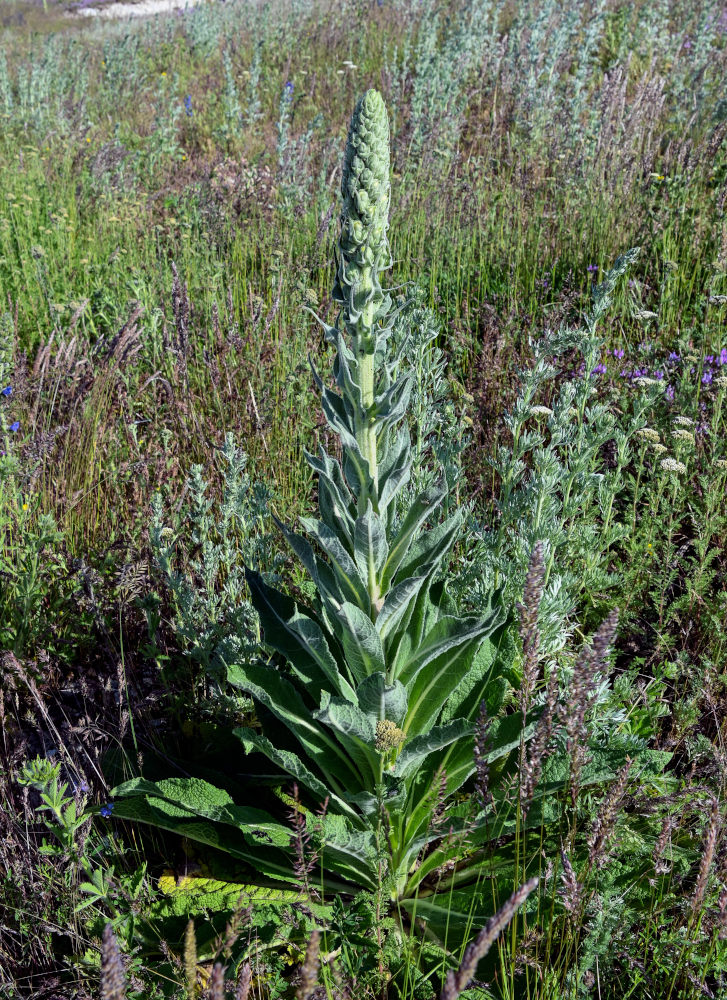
(369, 699)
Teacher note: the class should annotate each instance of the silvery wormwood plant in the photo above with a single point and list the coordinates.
(369, 700)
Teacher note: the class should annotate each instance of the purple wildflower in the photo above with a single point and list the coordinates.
(707, 378)
(15, 426)
(670, 393)
(592, 268)
(723, 356)
(600, 369)
(658, 374)
(619, 352)
(673, 356)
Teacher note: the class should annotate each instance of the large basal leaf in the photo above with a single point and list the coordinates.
(351, 583)
(268, 862)
(447, 636)
(430, 548)
(198, 894)
(397, 609)
(350, 853)
(294, 766)
(417, 750)
(281, 698)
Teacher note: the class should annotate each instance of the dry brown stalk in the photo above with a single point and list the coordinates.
(572, 892)
(529, 632)
(190, 959)
(606, 820)
(243, 982)
(482, 777)
(216, 988)
(476, 950)
(532, 768)
(309, 969)
(581, 691)
(660, 865)
(113, 980)
(710, 843)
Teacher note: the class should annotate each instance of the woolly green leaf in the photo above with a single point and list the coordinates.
(349, 852)
(292, 764)
(355, 732)
(280, 697)
(370, 545)
(351, 585)
(422, 508)
(430, 548)
(298, 638)
(398, 606)
(418, 749)
(361, 642)
(438, 666)
(379, 700)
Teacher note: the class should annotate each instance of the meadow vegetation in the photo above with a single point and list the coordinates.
(465, 735)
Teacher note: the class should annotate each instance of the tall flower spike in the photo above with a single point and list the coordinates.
(363, 246)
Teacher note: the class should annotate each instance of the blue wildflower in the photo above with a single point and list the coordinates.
(107, 809)
(15, 426)
(289, 90)
(706, 378)
(7, 390)
(188, 105)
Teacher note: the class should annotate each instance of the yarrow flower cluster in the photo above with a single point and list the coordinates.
(544, 411)
(672, 465)
(648, 434)
(681, 435)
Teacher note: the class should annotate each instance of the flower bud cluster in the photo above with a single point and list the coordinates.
(388, 736)
(363, 246)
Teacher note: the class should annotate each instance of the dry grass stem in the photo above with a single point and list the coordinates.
(606, 820)
(309, 969)
(244, 981)
(529, 633)
(457, 982)
(216, 987)
(113, 979)
(710, 843)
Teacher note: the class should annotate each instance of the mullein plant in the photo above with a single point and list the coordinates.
(367, 705)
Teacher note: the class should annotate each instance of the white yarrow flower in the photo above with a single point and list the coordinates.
(671, 465)
(648, 434)
(682, 435)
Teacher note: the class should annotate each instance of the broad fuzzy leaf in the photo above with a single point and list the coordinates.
(281, 698)
(379, 700)
(361, 642)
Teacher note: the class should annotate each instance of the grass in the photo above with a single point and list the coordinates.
(167, 208)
